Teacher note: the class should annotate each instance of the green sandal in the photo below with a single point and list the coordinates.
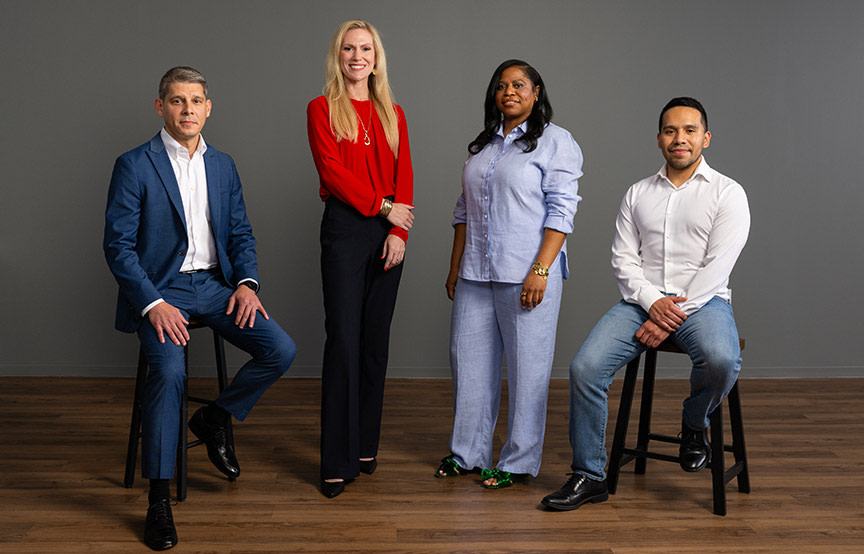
(449, 468)
(503, 479)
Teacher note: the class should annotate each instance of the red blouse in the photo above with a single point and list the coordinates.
(360, 175)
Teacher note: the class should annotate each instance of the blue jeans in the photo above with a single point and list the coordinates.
(204, 297)
(708, 335)
(488, 321)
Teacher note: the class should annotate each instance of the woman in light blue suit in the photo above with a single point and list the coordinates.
(519, 195)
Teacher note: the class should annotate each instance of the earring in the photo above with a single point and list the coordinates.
(536, 99)
(373, 72)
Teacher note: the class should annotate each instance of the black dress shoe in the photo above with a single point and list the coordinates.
(159, 531)
(577, 491)
(220, 448)
(694, 452)
(332, 490)
(368, 466)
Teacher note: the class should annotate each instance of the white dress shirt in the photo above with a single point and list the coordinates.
(192, 181)
(680, 240)
(191, 178)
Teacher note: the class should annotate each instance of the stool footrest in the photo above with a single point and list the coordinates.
(620, 455)
(638, 453)
(677, 440)
(664, 438)
(199, 400)
(733, 472)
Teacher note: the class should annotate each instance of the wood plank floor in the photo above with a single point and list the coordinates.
(63, 446)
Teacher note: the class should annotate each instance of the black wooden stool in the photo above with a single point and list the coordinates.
(183, 444)
(620, 455)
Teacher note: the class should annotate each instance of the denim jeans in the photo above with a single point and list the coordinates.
(488, 321)
(708, 335)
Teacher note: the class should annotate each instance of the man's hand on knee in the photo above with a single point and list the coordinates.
(666, 313)
(169, 322)
(247, 304)
(651, 335)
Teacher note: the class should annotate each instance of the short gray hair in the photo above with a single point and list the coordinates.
(181, 74)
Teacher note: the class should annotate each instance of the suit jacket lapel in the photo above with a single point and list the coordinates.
(211, 169)
(159, 158)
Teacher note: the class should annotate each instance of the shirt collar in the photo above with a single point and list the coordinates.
(522, 127)
(175, 149)
(703, 170)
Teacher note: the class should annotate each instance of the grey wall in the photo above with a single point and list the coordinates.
(781, 80)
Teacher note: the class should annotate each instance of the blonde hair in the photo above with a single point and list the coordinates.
(343, 116)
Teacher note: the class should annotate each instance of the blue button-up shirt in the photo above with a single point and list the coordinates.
(510, 196)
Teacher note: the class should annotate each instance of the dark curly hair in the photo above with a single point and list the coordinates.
(540, 115)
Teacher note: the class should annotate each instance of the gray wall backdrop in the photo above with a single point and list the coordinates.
(781, 80)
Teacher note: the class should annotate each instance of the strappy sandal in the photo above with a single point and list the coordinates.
(503, 479)
(449, 468)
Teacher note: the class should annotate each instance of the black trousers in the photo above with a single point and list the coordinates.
(359, 298)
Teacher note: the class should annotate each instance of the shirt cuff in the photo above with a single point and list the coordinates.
(648, 296)
(399, 232)
(257, 284)
(150, 306)
(559, 223)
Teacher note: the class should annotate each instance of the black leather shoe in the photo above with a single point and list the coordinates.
(220, 448)
(368, 466)
(577, 491)
(695, 452)
(332, 490)
(159, 531)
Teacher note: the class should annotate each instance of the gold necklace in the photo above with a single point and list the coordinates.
(366, 140)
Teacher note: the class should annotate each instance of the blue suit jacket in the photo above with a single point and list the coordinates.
(145, 227)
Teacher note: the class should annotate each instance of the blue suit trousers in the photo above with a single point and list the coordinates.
(203, 297)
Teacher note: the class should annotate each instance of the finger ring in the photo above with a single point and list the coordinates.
(524, 294)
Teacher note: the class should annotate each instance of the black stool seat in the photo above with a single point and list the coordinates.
(183, 444)
(621, 455)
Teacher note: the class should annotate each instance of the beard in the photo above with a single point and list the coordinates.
(681, 163)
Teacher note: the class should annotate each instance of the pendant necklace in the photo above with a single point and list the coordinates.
(366, 140)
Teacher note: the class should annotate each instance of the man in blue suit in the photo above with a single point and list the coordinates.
(179, 243)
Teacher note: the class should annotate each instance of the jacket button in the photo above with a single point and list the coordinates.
(182, 252)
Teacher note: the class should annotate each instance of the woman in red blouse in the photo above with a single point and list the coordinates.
(359, 141)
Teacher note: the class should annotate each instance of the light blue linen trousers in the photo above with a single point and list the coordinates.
(488, 322)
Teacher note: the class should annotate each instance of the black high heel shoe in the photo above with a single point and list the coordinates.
(368, 466)
(334, 489)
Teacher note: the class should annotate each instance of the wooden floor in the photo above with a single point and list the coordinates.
(63, 446)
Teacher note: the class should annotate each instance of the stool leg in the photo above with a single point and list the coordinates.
(645, 407)
(621, 425)
(183, 443)
(718, 468)
(135, 426)
(222, 374)
(739, 450)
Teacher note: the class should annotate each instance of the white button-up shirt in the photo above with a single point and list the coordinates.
(192, 180)
(680, 240)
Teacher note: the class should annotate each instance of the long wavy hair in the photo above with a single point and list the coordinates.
(540, 115)
(344, 119)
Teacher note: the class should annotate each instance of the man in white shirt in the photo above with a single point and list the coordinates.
(678, 235)
(180, 246)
